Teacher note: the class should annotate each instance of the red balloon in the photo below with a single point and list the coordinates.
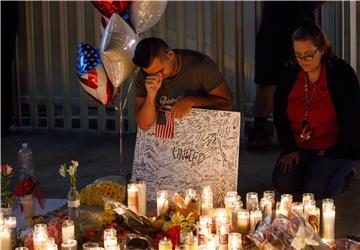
(108, 7)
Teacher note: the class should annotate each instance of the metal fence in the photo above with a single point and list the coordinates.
(48, 93)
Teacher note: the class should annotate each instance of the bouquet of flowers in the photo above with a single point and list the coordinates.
(30, 186)
(7, 198)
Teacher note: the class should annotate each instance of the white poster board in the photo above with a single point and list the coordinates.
(204, 151)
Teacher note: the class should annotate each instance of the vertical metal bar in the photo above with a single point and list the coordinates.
(219, 10)
(97, 34)
(48, 64)
(353, 25)
(80, 22)
(64, 58)
(31, 63)
(181, 34)
(200, 26)
(239, 62)
(17, 109)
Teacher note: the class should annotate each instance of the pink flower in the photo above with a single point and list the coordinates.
(6, 169)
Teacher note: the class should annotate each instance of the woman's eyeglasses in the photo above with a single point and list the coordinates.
(307, 58)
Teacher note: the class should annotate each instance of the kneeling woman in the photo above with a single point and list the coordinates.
(317, 117)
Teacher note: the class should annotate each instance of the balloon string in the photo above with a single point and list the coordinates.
(121, 109)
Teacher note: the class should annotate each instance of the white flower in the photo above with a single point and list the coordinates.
(75, 163)
(62, 170)
(71, 170)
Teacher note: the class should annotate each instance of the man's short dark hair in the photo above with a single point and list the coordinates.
(147, 49)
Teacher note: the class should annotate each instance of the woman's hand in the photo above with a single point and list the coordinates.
(288, 161)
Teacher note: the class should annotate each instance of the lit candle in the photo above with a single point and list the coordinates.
(270, 195)
(165, 244)
(213, 243)
(328, 222)
(252, 201)
(307, 196)
(90, 245)
(10, 222)
(223, 231)
(133, 197)
(235, 241)
(40, 237)
(255, 218)
(266, 206)
(327, 202)
(141, 185)
(231, 196)
(206, 201)
(234, 214)
(69, 245)
(191, 242)
(204, 229)
(5, 239)
(285, 203)
(313, 217)
(110, 238)
(243, 221)
(297, 208)
(308, 205)
(50, 245)
(68, 230)
(162, 201)
(220, 216)
(190, 194)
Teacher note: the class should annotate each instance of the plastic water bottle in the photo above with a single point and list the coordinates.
(26, 168)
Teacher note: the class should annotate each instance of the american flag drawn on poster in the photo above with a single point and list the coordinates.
(164, 125)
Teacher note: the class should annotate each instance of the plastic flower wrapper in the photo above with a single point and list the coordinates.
(131, 221)
(286, 233)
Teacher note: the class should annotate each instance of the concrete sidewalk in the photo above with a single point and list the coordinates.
(98, 155)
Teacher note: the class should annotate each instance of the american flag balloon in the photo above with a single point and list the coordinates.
(92, 75)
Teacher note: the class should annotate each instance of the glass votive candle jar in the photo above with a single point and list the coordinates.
(235, 242)
(252, 201)
(90, 245)
(162, 201)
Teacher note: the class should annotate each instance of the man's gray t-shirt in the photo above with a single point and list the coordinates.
(198, 75)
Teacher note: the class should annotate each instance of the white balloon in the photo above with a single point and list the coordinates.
(145, 14)
(117, 47)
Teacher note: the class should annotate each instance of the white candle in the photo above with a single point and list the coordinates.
(308, 205)
(90, 245)
(313, 217)
(270, 195)
(285, 202)
(213, 243)
(297, 208)
(110, 238)
(235, 241)
(223, 231)
(204, 229)
(133, 197)
(162, 201)
(68, 230)
(40, 237)
(10, 222)
(207, 203)
(141, 185)
(243, 221)
(255, 218)
(220, 216)
(252, 201)
(307, 196)
(190, 194)
(231, 196)
(328, 223)
(28, 206)
(266, 206)
(5, 239)
(69, 245)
